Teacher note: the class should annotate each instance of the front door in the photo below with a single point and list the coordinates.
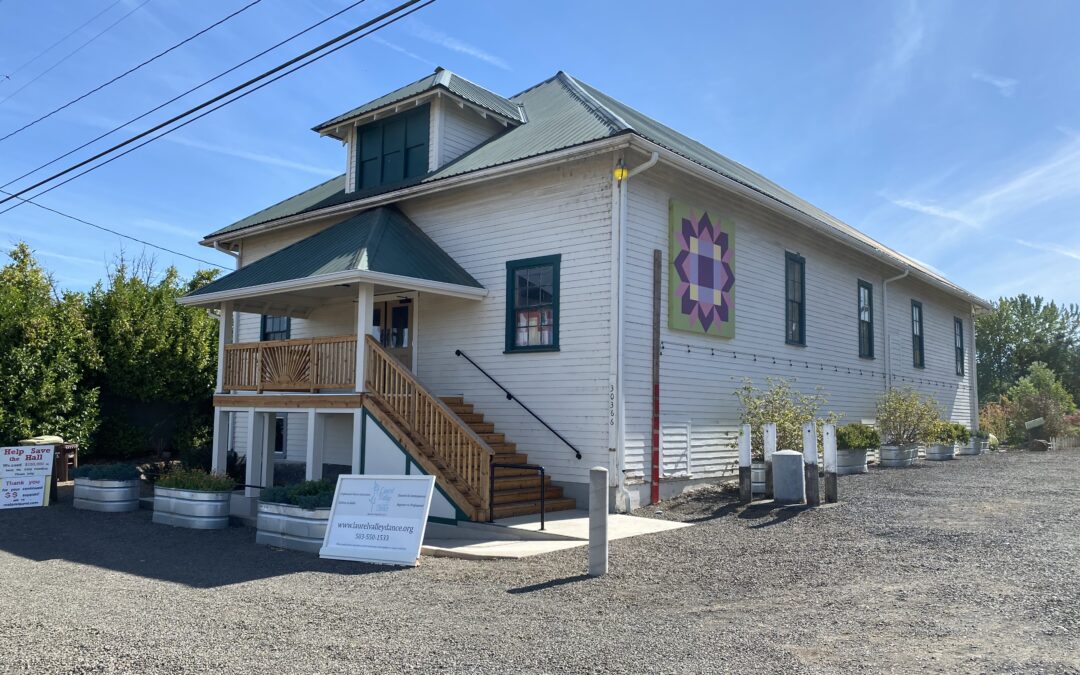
(392, 322)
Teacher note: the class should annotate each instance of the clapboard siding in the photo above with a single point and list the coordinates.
(552, 211)
(700, 374)
(462, 129)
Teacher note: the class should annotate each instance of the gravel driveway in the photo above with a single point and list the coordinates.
(964, 566)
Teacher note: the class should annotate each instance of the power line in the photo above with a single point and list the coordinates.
(276, 69)
(119, 234)
(132, 70)
(225, 103)
(74, 51)
(48, 49)
(180, 96)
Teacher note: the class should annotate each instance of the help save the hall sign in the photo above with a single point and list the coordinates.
(24, 475)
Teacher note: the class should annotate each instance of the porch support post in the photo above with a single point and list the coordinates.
(219, 458)
(315, 442)
(365, 304)
(225, 335)
(357, 440)
(256, 448)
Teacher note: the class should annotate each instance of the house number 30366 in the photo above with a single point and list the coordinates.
(611, 406)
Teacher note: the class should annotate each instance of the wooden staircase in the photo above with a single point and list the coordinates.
(517, 491)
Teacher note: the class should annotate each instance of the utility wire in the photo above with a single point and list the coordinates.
(132, 70)
(182, 95)
(54, 45)
(119, 234)
(215, 99)
(225, 103)
(74, 51)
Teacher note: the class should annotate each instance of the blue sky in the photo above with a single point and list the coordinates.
(947, 130)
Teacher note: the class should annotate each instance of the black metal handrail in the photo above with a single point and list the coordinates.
(515, 399)
(543, 488)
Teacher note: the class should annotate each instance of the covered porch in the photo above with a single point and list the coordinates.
(350, 298)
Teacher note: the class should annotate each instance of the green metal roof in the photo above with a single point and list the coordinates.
(441, 78)
(379, 240)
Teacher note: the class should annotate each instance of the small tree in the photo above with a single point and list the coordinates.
(779, 404)
(905, 417)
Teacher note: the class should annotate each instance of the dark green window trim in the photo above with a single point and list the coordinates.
(275, 328)
(512, 306)
(865, 316)
(393, 150)
(958, 343)
(794, 299)
(918, 330)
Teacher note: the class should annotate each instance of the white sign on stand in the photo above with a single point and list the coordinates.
(24, 475)
(378, 519)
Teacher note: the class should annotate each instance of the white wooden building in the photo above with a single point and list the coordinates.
(488, 245)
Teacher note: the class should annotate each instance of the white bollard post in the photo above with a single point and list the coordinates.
(809, 442)
(598, 517)
(770, 448)
(746, 487)
(828, 439)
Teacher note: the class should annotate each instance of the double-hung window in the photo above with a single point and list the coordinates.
(795, 305)
(866, 320)
(532, 304)
(275, 328)
(918, 357)
(958, 342)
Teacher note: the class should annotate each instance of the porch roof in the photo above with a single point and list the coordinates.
(379, 245)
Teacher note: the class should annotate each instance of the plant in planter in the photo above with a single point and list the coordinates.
(852, 442)
(778, 403)
(110, 488)
(904, 418)
(942, 442)
(295, 517)
(193, 498)
(980, 443)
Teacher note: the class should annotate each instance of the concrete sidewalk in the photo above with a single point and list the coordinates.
(521, 536)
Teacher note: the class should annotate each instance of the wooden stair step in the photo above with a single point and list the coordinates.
(503, 447)
(551, 492)
(511, 458)
(518, 482)
(501, 471)
(527, 508)
(463, 409)
(482, 427)
(470, 418)
(452, 400)
(493, 438)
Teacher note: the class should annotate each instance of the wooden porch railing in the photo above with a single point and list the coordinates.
(463, 457)
(305, 364)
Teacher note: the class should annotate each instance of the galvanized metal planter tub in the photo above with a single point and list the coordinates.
(196, 509)
(898, 455)
(850, 461)
(107, 496)
(939, 453)
(757, 478)
(292, 527)
(972, 448)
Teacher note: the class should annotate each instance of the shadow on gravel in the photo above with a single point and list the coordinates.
(548, 584)
(130, 543)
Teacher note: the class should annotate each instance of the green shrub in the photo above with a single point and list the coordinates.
(783, 406)
(904, 416)
(942, 433)
(857, 437)
(117, 439)
(310, 495)
(107, 472)
(961, 434)
(196, 479)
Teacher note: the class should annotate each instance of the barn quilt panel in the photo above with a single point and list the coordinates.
(701, 275)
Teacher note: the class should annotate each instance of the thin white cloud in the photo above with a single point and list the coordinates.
(435, 37)
(1051, 248)
(887, 77)
(70, 258)
(144, 224)
(935, 211)
(1006, 86)
(260, 158)
(401, 50)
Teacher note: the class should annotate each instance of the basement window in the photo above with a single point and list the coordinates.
(532, 304)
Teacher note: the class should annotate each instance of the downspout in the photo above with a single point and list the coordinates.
(888, 338)
(624, 178)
